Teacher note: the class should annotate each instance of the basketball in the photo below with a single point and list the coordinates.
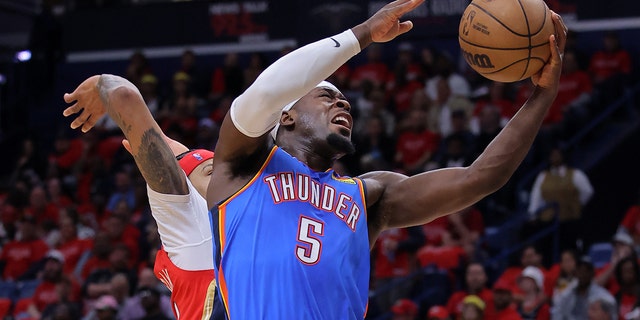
(506, 40)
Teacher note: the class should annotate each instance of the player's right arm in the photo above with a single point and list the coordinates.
(244, 137)
(123, 102)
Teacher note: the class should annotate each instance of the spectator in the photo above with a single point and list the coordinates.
(530, 256)
(437, 313)
(257, 63)
(628, 277)
(105, 308)
(20, 257)
(99, 256)
(46, 292)
(496, 97)
(475, 284)
(98, 282)
(123, 191)
(472, 308)
(150, 301)
(199, 82)
(631, 222)
(121, 288)
(376, 106)
(567, 187)
(622, 248)
(445, 70)
(404, 309)
(602, 309)
(45, 212)
(57, 196)
(394, 251)
(227, 80)
(502, 302)
(561, 274)
(445, 104)
(461, 140)
(375, 147)
(573, 303)
(570, 108)
(31, 163)
(70, 246)
(120, 231)
(63, 304)
(610, 63)
(133, 308)
(149, 91)
(416, 144)
(533, 305)
(137, 68)
(373, 70)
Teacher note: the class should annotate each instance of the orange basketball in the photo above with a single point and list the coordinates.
(506, 40)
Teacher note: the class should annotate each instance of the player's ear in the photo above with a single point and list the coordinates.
(286, 119)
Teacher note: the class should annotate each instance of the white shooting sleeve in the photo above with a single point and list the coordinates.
(258, 109)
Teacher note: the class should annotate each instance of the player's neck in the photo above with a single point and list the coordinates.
(308, 156)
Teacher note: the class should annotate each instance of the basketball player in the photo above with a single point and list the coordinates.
(292, 236)
(184, 263)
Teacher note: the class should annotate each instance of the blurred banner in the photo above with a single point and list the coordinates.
(213, 22)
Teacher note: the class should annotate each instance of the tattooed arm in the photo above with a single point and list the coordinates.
(123, 102)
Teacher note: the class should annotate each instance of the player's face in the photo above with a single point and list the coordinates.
(201, 175)
(324, 115)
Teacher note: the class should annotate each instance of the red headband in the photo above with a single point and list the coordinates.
(193, 158)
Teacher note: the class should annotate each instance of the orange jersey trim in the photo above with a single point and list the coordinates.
(224, 293)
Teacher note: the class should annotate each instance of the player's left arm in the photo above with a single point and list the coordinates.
(399, 201)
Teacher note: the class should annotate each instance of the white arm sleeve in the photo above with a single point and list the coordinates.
(184, 228)
(258, 109)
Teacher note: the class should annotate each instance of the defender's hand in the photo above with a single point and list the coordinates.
(87, 99)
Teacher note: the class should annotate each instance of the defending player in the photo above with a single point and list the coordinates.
(184, 262)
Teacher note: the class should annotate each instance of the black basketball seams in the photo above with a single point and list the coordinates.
(544, 19)
(493, 48)
(526, 20)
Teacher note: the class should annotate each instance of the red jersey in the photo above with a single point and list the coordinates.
(184, 286)
(631, 221)
(20, 255)
(388, 263)
(605, 64)
(72, 251)
(47, 294)
(413, 145)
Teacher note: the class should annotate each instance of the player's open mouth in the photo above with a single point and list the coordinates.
(342, 119)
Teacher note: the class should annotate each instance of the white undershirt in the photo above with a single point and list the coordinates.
(184, 228)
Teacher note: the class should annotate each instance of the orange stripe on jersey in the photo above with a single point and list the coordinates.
(222, 283)
(221, 219)
(366, 309)
(255, 177)
(364, 198)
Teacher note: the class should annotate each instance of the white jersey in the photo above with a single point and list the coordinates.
(184, 228)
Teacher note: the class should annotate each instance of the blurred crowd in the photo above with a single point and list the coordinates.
(78, 240)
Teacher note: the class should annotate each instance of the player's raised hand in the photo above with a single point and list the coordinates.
(87, 99)
(549, 75)
(385, 24)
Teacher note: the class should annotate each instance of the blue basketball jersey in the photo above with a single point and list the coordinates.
(293, 244)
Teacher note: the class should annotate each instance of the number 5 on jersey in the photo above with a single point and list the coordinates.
(310, 247)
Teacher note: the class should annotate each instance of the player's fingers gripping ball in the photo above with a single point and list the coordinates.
(506, 40)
